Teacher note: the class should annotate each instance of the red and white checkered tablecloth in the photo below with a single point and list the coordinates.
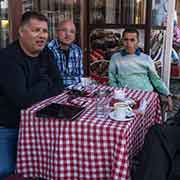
(89, 148)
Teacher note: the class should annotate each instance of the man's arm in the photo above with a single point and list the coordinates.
(112, 74)
(159, 84)
(53, 71)
(156, 81)
(14, 85)
(81, 64)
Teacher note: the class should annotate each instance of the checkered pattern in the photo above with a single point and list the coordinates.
(73, 72)
(86, 148)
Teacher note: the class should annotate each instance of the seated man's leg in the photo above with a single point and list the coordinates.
(8, 150)
(157, 153)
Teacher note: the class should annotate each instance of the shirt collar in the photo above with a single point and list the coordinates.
(55, 44)
(125, 53)
(58, 44)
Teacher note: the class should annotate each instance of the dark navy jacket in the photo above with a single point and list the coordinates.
(24, 81)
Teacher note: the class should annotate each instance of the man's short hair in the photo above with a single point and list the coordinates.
(27, 16)
(61, 23)
(131, 30)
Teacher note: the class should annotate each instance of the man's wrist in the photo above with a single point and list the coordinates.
(169, 95)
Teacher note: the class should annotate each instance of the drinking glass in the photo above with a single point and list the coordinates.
(102, 104)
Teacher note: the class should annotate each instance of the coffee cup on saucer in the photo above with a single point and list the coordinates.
(85, 81)
(119, 94)
(120, 110)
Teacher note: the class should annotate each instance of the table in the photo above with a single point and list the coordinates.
(89, 148)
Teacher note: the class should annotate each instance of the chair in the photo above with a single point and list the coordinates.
(99, 71)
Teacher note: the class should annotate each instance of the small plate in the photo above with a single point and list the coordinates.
(128, 101)
(128, 118)
(130, 114)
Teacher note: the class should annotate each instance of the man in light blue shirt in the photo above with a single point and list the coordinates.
(132, 68)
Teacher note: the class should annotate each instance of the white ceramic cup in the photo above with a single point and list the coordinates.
(120, 110)
(119, 94)
(85, 81)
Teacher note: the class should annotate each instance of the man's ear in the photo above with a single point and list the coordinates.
(137, 42)
(20, 31)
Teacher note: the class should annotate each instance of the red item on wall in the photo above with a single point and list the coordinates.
(175, 69)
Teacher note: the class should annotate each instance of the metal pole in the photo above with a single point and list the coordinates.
(168, 42)
(166, 70)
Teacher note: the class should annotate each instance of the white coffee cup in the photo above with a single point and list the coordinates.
(85, 81)
(119, 94)
(120, 110)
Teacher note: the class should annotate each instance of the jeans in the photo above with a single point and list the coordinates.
(8, 150)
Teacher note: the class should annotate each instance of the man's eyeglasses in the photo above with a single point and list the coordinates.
(71, 31)
(132, 39)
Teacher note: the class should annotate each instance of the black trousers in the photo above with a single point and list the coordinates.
(160, 146)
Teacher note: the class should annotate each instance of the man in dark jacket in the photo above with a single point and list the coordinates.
(27, 75)
(159, 151)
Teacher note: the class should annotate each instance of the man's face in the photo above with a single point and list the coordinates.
(66, 33)
(130, 42)
(33, 36)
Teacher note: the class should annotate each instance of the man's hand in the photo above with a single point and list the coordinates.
(169, 103)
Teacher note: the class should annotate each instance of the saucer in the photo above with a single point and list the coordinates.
(129, 101)
(130, 114)
(128, 118)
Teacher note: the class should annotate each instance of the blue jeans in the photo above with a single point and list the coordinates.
(8, 151)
